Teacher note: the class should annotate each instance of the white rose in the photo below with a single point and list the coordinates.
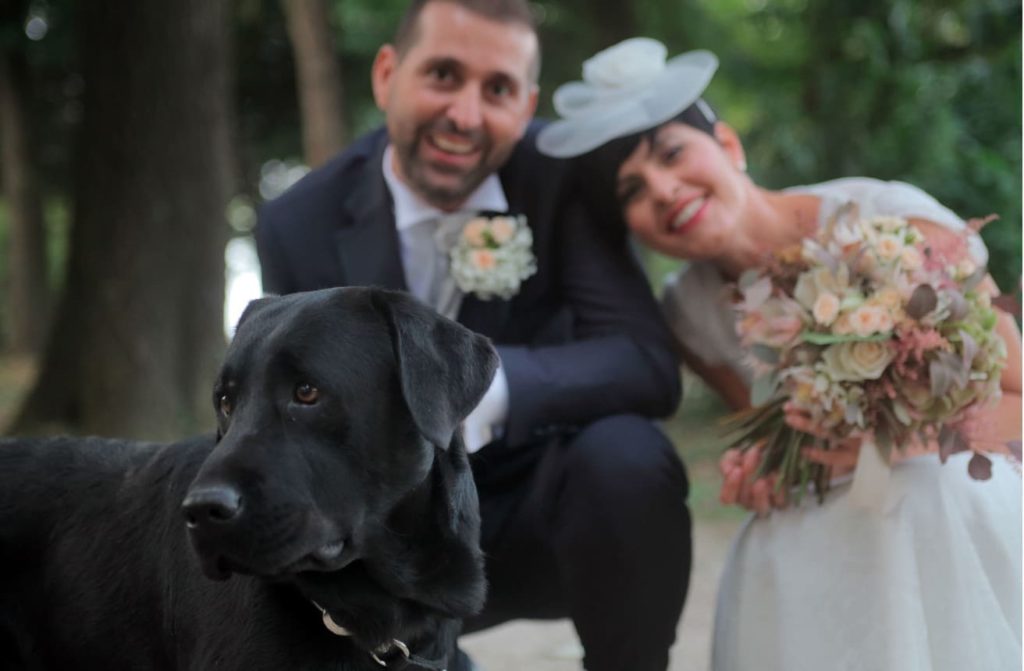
(817, 281)
(628, 64)
(965, 268)
(854, 361)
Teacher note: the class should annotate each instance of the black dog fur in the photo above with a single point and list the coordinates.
(337, 476)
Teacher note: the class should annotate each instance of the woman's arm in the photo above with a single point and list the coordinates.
(722, 379)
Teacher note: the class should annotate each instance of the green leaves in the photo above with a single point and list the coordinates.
(833, 338)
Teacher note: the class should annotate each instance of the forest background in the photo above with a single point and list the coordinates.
(139, 137)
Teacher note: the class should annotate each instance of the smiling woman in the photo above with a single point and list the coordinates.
(682, 188)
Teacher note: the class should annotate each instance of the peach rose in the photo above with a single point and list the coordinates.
(483, 259)
(888, 247)
(503, 228)
(911, 258)
(870, 319)
(826, 308)
(473, 232)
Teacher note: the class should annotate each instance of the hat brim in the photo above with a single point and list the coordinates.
(678, 86)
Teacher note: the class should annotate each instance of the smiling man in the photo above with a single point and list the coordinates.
(582, 498)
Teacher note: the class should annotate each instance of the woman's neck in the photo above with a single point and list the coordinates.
(772, 221)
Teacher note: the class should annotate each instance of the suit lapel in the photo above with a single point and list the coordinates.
(485, 317)
(368, 246)
(488, 317)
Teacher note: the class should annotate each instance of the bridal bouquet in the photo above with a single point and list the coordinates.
(866, 332)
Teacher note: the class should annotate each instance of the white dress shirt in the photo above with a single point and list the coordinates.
(418, 263)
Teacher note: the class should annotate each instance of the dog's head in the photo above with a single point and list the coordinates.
(334, 408)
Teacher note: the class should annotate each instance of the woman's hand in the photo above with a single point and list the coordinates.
(741, 487)
(841, 458)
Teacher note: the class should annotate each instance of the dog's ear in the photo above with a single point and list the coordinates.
(252, 308)
(444, 368)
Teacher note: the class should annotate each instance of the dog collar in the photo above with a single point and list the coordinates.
(384, 650)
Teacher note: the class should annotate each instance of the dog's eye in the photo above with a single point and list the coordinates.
(306, 393)
(224, 404)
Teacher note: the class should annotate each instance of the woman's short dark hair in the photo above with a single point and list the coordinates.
(599, 168)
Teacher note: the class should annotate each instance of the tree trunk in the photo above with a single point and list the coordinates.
(319, 79)
(613, 21)
(27, 291)
(138, 336)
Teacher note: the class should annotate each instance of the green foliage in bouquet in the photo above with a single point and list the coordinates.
(867, 332)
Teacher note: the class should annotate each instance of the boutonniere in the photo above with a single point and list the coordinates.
(492, 256)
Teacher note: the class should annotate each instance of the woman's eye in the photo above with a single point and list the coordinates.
(306, 394)
(671, 154)
(628, 195)
(224, 405)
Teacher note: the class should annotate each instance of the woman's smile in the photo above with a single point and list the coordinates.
(685, 215)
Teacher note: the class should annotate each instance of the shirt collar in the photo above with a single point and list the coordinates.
(410, 209)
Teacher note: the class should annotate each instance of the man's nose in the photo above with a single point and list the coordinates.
(465, 109)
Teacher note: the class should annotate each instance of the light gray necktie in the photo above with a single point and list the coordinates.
(441, 235)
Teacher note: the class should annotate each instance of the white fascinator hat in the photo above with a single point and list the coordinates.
(626, 88)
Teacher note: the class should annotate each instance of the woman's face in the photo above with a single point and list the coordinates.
(683, 193)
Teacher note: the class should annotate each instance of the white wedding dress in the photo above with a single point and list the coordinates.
(929, 579)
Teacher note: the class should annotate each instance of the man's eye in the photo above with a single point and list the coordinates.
(500, 89)
(443, 74)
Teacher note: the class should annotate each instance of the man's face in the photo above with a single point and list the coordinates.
(458, 100)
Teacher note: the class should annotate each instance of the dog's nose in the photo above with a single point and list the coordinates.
(211, 505)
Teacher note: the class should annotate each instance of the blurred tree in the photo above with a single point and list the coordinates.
(27, 289)
(318, 78)
(138, 334)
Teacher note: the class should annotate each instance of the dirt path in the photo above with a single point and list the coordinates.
(553, 646)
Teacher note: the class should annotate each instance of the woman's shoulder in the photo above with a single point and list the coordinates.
(875, 197)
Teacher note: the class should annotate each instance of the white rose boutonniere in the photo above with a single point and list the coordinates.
(492, 256)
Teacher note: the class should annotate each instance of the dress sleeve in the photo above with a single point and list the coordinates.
(905, 200)
(695, 306)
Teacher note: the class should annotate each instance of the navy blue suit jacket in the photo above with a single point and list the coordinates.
(583, 338)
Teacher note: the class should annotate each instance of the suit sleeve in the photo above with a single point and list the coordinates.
(273, 266)
(622, 358)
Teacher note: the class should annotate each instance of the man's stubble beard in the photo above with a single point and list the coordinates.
(442, 197)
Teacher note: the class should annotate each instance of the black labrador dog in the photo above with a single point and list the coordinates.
(336, 496)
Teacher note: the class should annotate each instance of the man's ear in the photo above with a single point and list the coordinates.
(383, 70)
(444, 368)
(729, 140)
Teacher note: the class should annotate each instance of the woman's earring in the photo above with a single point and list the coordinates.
(741, 165)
